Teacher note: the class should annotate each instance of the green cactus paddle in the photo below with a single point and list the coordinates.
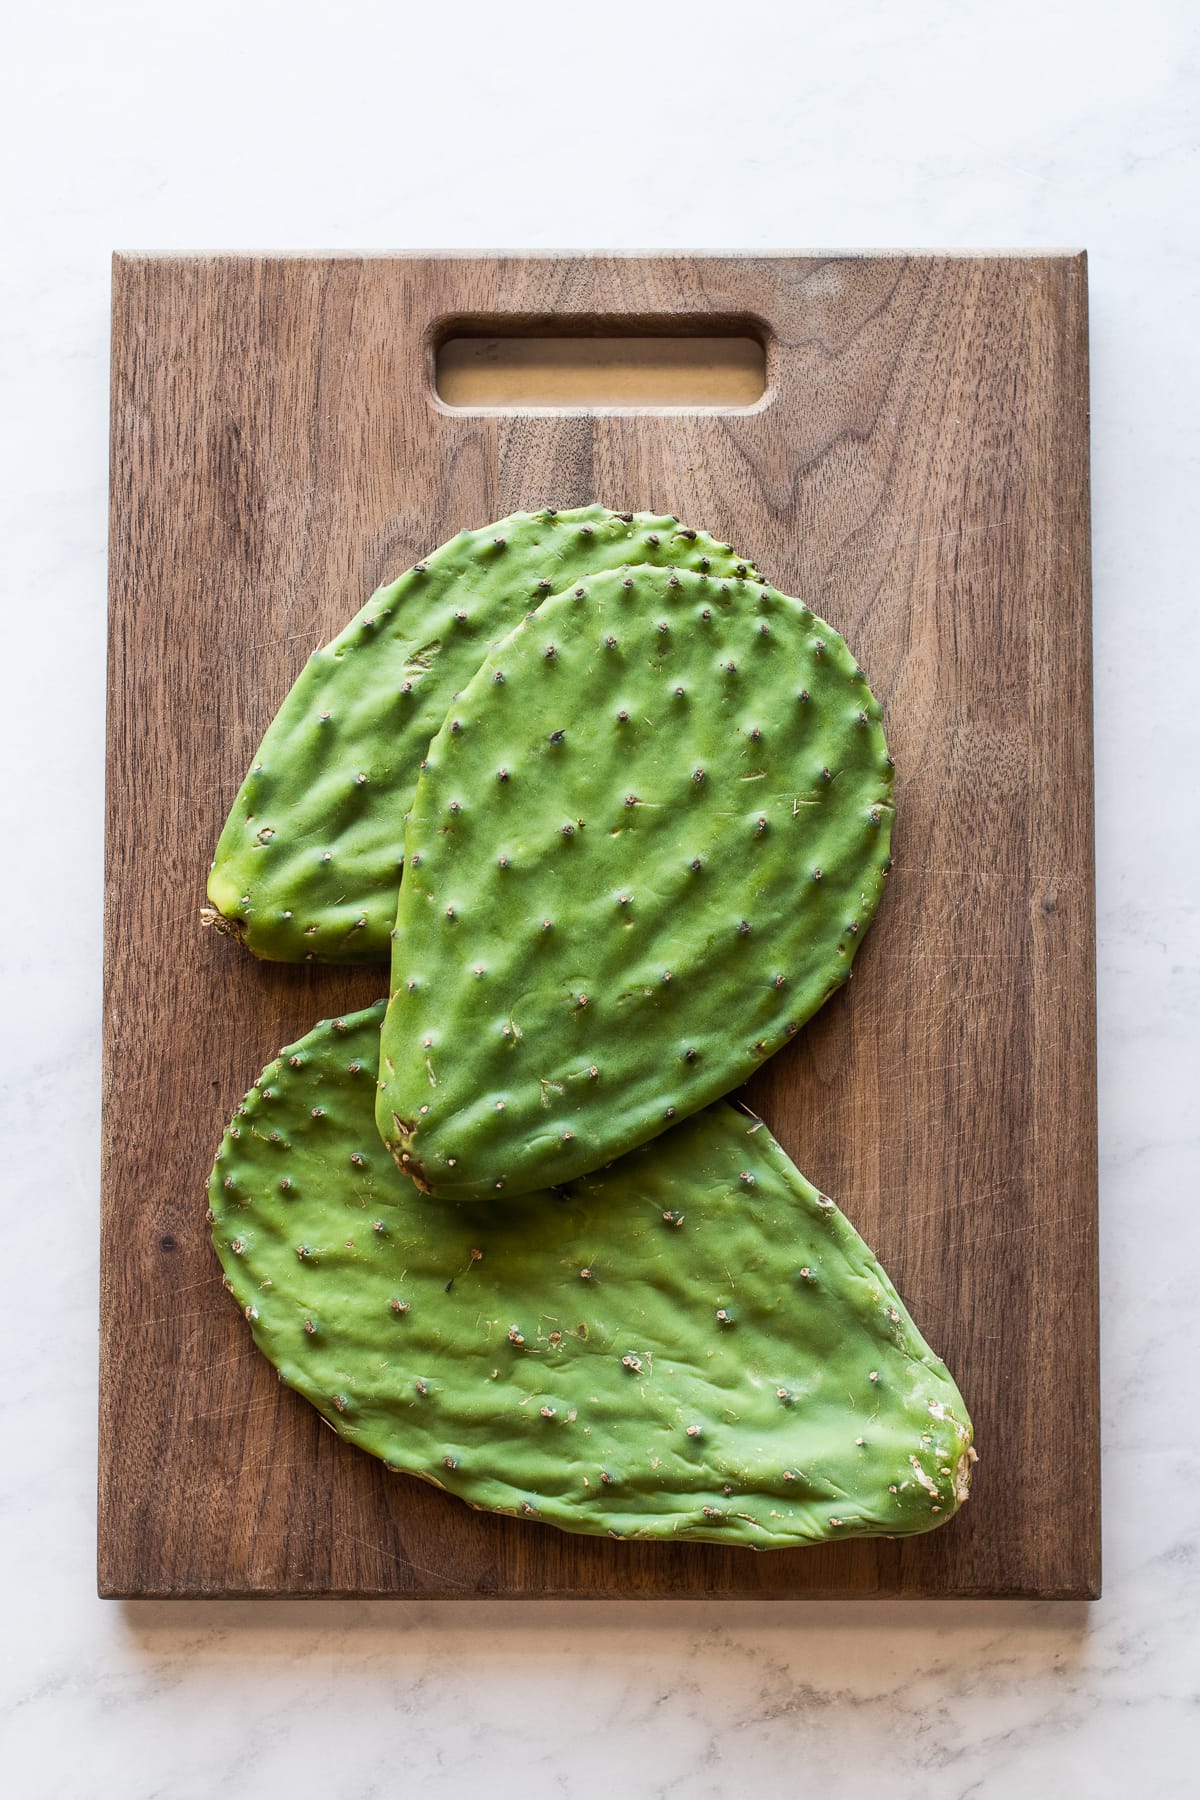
(693, 1343)
(307, 865)
(646, 844)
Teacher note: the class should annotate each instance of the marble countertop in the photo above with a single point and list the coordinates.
(256, 125)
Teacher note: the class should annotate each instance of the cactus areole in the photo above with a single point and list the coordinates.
(307, 865)
(691, 1344)
(645, 846)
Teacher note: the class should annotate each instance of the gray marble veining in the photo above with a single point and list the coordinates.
(254, 125)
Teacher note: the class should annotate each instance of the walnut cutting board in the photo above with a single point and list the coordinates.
(918, 472)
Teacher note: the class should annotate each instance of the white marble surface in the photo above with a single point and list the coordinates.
(242, 123)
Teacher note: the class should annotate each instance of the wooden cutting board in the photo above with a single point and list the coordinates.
(918, 471)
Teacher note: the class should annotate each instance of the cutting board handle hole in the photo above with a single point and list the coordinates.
(602, 363)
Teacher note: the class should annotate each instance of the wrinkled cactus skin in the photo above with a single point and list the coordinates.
(692, 1344)
(647, 842)
(308, 863)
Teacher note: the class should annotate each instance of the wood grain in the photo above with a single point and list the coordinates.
(919, 473)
